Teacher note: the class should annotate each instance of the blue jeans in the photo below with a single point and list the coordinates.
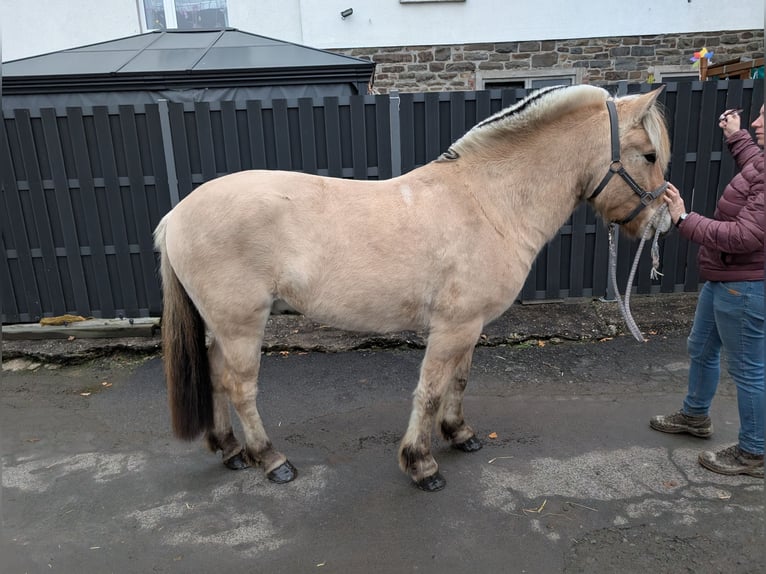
(729, 315)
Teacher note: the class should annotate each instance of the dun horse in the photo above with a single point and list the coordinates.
(443, 249)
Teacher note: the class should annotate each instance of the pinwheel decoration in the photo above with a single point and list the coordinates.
(703, 53)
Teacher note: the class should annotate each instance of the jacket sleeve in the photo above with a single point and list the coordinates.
(743, 148)
(742, 235)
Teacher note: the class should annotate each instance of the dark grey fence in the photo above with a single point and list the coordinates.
(83, 188)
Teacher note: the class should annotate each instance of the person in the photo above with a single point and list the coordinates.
(730, 306)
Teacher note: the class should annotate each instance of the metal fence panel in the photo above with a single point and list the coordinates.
(83, 188)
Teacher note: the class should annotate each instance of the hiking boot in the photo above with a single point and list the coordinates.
(679, 422)
(732, 460)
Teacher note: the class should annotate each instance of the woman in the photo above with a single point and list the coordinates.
(730, 308)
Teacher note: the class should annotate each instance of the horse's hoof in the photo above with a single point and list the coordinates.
(283, 473)
(471, 445)
(432, 483)
(236, 462)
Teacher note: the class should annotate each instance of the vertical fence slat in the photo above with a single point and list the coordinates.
(457, 116)
(358, 138)
(113, 191)
(140, 206)
(29, 290)
(205, 140)
(163, 162)
(577, 254)
(307, 135)
(432, 131)
(385, 160)
(7, 291)
(255, 129)
(181, 149)
(230, 137)
(281, 132)
(332, 136)
(90, 209)
(407, 122)
(65, 212)
(40, 214)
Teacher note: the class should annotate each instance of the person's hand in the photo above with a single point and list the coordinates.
(729, 122)
(674, 202)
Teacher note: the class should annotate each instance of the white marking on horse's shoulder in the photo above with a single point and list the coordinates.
(406, 192)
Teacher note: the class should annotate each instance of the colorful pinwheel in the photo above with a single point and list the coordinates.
(703, 53)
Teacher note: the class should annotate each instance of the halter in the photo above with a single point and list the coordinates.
(616, 167)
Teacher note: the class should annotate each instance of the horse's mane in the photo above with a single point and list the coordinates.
(544, 103)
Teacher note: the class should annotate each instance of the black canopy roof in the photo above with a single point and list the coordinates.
(182, 60)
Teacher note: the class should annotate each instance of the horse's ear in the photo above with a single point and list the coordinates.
(639, 105)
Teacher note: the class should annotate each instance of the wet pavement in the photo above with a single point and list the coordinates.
(573, 481)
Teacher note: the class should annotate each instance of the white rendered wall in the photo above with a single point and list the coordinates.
(33, 27)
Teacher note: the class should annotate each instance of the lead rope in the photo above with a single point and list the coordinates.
(654, 273)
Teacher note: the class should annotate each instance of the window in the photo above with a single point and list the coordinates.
(527, 79)
(674, 74)
(185, 14)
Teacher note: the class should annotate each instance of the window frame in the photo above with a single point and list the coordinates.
(575, 75)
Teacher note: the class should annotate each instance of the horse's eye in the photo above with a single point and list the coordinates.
(650, 157)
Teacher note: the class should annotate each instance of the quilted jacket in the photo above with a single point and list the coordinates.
(731, 244)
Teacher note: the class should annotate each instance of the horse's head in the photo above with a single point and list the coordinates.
(639, 155)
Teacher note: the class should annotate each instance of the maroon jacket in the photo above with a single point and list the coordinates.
(731, 244)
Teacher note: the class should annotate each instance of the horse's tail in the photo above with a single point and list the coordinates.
(190, 394)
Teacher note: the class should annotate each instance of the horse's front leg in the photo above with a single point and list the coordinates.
(448, 358)
(451, 420)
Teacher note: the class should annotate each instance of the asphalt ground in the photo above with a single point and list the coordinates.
(570, 479)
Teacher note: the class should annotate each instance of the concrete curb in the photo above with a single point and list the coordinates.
(580, 320)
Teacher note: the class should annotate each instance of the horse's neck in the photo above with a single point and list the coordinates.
(525, 206)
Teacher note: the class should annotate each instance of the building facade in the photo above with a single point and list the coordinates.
(537, 63)
(425, 45)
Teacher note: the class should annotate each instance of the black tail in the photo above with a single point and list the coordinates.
(190, 393)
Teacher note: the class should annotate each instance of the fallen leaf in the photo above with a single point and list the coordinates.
(492, 435)
(541, 343)
(70, 338)
(605, 339)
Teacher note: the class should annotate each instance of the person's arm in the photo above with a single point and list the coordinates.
(742, 235)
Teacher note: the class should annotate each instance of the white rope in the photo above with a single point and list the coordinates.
(654, 273)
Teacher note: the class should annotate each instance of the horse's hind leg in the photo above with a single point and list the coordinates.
(242, 358)
(448, 358)
(221, 437)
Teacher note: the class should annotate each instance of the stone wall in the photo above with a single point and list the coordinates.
(598, 60)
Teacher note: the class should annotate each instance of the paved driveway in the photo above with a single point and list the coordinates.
(574, 482)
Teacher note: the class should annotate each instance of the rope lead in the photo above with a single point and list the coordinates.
(654, 273)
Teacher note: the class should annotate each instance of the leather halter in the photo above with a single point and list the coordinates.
(616, 167)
